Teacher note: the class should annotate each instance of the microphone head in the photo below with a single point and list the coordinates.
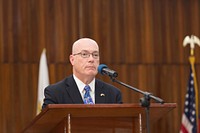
(101, 67)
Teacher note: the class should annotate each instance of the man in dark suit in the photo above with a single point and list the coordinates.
(85, 61)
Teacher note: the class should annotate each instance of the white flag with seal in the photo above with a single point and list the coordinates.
(43, 80)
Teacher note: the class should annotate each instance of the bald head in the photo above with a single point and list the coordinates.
(83, 43)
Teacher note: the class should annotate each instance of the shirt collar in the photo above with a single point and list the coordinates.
(81, 85)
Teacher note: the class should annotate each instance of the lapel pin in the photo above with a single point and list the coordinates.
(102, 95)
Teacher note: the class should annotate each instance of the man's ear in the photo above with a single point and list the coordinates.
(71, 58)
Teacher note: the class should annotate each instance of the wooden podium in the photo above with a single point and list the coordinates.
(98, 118)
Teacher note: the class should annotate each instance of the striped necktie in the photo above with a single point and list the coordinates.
(87, 97)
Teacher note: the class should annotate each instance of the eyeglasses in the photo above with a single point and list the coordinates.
(95, 55)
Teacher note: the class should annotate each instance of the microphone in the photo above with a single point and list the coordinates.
(104, 70)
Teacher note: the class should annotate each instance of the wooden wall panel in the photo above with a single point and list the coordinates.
(141, 40)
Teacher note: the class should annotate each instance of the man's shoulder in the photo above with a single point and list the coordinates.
(104, 84)
(62, 83)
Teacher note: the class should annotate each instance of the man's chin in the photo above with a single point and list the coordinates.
(92, 74)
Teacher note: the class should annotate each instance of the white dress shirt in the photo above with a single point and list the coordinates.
(81, 86)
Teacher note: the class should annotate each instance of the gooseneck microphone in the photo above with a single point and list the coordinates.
(104, 70)
(145, 101)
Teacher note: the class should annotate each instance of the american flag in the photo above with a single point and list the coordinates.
(189, 119)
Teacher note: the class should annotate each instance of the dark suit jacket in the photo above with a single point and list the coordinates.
(67, 92)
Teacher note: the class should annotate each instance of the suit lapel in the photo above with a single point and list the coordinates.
(73, 90)
(100, 95)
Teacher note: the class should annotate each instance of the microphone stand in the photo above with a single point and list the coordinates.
(144, 101)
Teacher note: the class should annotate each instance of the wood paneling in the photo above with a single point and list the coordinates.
(140, 39)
